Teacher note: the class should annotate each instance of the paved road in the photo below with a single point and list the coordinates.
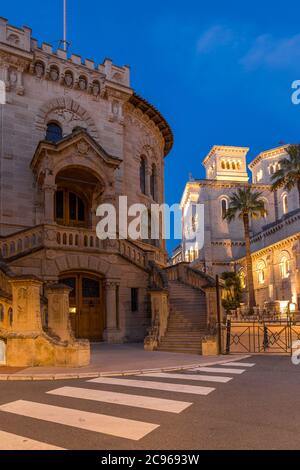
(254, 404)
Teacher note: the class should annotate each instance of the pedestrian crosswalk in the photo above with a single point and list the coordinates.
(161, 386)
(119, 392)
(219, 370)
(136, 401)
(10, 441)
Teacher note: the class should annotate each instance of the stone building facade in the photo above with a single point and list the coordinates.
(274, 239)
(75, 135)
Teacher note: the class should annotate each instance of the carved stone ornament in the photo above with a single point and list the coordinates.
(13, 77)
(54, 75)
(96, 89)
(68, 79)
(22, 303)
(39, 70)
(83, 147)
(82, 84)
(115, 108)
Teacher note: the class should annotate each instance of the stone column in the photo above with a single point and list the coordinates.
(112, 332)
(58, 311)
(26, 305)
(49, 193)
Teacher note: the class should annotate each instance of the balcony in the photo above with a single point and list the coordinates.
(57, 237)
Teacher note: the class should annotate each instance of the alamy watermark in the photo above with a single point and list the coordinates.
(157, 222)
(296, 94)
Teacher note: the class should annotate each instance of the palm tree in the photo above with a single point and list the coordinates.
(288, 175)
(245, 204)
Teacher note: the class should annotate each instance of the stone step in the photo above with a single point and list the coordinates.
(181, 351)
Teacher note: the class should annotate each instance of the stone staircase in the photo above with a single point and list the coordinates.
(187, 321)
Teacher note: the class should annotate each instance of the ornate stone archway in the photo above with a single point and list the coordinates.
(68, 113)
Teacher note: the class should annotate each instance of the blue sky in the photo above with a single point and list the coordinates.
(220, 72)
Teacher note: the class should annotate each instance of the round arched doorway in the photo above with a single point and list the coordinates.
(87, 304)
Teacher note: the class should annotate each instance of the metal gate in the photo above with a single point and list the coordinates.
(260, 337)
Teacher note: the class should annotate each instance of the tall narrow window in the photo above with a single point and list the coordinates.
(285, 267)
(134, 299)
(59, 205)
(70, 209)
(54, 132)
(261, 273)
(153, 182)
(285, 204)
(223, 207)
(143, 175)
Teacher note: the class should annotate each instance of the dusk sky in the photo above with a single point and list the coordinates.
(220, 72)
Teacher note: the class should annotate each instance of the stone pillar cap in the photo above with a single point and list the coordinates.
(58, 286)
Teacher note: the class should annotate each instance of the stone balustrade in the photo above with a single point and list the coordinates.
(74, 238)
(21, 242)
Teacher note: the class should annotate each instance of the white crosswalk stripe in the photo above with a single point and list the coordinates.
(175, 382)
(135, 401)
(196, 377)
(118, 427)
(239, 364)
(161, 386)
(10, 441)
(219, 370)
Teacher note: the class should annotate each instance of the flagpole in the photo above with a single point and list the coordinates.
(65, 25)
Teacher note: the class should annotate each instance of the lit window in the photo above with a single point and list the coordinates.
(228, 166)
(233, 166)
(261, 273)
(223, 166)
(285, 267)
(285, 204)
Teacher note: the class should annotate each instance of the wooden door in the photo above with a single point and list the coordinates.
(87, 307)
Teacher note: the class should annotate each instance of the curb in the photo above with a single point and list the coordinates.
(95, 375)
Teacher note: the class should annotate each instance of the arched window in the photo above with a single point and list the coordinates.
(54, 132)
(233, 166)
(228, 165)
(223, 166)
(285, 204)
(143, 175)
(153, 182)
(238, 165)
(261, 272)
(1, 313)
(285, 267)
(224, 207)
(70, 209)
